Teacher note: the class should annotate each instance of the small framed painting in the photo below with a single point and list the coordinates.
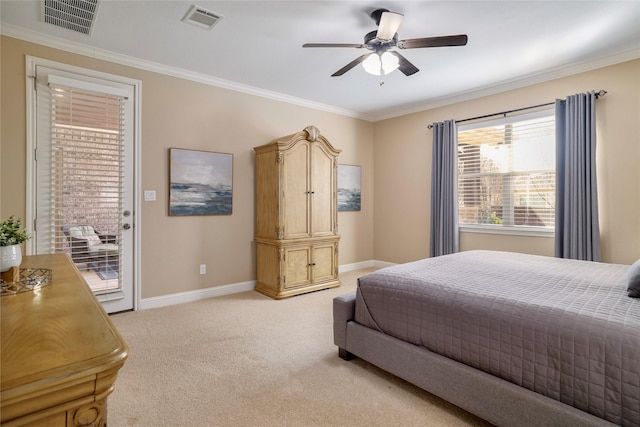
(349, 188)
(200, 182)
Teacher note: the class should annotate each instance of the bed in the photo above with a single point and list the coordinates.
(515, 339)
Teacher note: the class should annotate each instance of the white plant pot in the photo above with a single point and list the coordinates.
(10, 256)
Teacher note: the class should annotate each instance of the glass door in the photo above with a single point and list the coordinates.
(84, 179)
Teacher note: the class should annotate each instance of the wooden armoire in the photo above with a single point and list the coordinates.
(296, 215)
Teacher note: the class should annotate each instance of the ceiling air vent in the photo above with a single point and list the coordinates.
(201, 17)
(75, 15)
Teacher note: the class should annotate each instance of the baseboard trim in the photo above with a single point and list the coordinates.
(200, 294)
(364, 264)
(234, 288)
(383, 264)
(356, 266)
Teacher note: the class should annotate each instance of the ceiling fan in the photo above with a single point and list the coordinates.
(382, 60)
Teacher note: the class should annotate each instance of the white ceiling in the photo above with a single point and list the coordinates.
(257, 46)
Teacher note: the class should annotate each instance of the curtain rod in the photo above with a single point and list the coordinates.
(598, 95)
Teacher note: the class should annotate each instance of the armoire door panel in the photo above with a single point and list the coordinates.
(298, 263)
(322, 206)
(323, 263)
(295, 197)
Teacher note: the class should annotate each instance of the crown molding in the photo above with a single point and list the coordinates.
(518, 83)
(16, 32)
(505, 86)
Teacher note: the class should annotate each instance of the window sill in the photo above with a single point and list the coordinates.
(513, 230)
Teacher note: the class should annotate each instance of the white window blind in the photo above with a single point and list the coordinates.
(87, 134)
(506, 172)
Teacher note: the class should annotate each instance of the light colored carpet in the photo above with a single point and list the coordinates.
(249, 360)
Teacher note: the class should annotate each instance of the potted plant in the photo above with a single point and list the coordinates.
(11, 236)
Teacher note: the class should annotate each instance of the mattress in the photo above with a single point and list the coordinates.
(563, 328)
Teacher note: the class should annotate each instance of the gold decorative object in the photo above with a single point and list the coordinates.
(29, 279)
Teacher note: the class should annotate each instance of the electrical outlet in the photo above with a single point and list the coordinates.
(203, 268)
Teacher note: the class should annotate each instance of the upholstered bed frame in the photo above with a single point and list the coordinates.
(493, 399)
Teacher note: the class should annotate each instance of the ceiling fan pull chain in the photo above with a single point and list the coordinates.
(381, 71)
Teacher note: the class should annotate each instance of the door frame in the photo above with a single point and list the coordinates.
(31, 62)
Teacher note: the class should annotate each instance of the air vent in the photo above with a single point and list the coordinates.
(75, 15)
(201, 17)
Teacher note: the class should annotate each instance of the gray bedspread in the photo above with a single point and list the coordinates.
(562, 328)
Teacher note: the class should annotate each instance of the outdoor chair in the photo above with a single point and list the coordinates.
(99, 251)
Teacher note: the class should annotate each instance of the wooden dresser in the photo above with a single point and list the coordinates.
(296, 215)
(60, 352)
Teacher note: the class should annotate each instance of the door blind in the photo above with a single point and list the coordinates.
(87, 167)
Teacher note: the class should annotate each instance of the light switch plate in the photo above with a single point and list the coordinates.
(149, 196)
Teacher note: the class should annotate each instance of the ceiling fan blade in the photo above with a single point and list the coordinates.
(351, 64)
(405, 66)
(459, 40)
(389, 24)
(358, 45)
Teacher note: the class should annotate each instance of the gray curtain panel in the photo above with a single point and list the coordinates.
(577, 230)
(444, 189)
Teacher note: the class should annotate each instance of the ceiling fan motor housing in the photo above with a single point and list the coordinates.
(377, 45)
(377, 14)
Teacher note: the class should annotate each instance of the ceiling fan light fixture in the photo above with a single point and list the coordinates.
(390, 63)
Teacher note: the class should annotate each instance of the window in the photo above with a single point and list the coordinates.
(506, 173)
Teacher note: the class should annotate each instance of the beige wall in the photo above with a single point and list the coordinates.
(395, 156)
(403, 158)
(184, 114)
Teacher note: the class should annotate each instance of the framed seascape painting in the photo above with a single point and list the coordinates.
(349, 188)
(200, 182)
